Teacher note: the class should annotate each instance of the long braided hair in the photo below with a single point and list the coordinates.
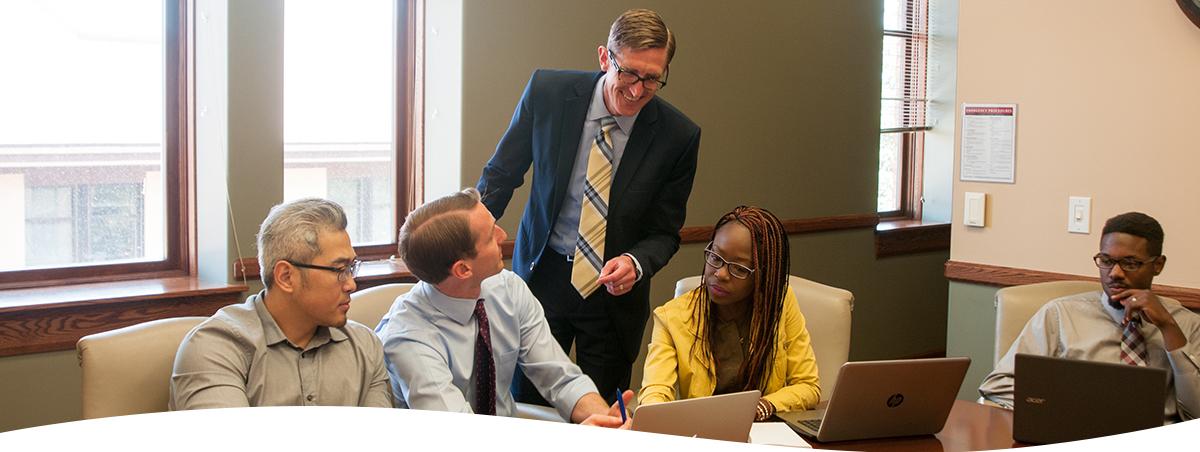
(772, 261)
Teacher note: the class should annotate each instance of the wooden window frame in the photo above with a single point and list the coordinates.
(408, 139)
(409, 130)
(177, 192)
(912, 138)
(912, 159)
(409, 143)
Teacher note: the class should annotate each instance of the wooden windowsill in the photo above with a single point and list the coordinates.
(372, 273)
(897, 237)
(54, 318)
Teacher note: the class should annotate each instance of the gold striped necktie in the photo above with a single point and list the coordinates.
(589, 247)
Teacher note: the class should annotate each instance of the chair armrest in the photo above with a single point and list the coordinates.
(537, 412)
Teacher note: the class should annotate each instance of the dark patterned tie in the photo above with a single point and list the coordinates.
(1133, 344)
(485, 366)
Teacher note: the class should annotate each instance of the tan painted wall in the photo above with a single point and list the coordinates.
(1107, 106)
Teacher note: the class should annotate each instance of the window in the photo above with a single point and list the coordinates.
(346, 115)
(903, 107)
(92, 140)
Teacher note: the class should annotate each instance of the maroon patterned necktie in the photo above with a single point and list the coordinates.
(485, 366)
(1133, 344)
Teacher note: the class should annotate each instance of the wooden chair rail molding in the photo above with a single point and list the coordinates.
(381, 269)
(54, 318)
(995, 275)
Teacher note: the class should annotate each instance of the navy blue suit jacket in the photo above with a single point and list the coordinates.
(648, 198)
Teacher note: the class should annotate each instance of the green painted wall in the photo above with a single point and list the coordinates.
(787, 95)
(971, 332)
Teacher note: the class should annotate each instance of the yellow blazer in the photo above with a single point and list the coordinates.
(672, 362)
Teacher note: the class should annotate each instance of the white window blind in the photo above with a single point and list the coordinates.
(903, 103)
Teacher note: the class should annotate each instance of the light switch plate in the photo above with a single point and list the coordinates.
(1079, 214)
(974, 208)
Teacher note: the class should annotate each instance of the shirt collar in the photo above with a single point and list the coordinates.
(1117, 315)
(459, 310)
(274, 335)
(271, 331)
(597, 110)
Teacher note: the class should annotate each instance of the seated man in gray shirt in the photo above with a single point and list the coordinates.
(291, 343)
(1092, 326)
(453, 342)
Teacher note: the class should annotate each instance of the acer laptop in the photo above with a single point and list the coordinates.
(1060, 399)
(725, 417)
(881, 399)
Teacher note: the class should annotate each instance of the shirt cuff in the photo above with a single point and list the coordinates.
(636, 265)
(573, 391)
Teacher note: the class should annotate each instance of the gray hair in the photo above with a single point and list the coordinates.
(290, 233)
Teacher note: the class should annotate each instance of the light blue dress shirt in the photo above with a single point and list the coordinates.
(566, 229)
(429, 345)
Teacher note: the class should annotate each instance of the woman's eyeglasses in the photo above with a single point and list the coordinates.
(715, 261)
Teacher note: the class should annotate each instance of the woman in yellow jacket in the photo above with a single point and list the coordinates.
(741, 329)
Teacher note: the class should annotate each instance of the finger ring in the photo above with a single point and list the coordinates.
(621, 287)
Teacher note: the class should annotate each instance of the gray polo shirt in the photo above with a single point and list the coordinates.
(239, 357)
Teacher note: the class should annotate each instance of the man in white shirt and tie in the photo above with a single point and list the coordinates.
(453, 342)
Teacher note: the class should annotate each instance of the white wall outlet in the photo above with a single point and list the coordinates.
(1079, 214)
(974, 208)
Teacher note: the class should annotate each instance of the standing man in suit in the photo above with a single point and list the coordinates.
(614, 161)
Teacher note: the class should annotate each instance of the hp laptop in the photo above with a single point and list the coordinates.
(880, 399)
(1060, 399)
(724, 417)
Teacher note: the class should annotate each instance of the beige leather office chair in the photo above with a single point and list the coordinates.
(128, 370)
(368, 306)
(1016, 304)
(827, 311)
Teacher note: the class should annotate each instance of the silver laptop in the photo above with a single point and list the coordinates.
(724, 417)
(880, 399)
(1059, 399)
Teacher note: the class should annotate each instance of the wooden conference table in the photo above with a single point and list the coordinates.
(971, 426)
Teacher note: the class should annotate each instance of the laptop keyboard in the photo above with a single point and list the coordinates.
(814, 424)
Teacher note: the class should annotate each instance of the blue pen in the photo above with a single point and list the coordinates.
(621, 403)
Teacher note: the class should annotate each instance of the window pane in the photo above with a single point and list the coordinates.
(339, 110)
(893, 14)
(81, 132)
(893, 66)
(890, 171)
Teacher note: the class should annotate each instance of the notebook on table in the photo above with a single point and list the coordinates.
(1061, 399)
(725, 417)
(881, 399)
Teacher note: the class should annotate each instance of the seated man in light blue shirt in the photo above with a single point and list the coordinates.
(453, 342)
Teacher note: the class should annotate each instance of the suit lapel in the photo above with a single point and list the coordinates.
(635, 152)
(574, 113)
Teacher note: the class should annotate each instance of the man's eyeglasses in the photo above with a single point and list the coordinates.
(628, 77)
(715, 261)
(348, 271)
(1129, 264)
